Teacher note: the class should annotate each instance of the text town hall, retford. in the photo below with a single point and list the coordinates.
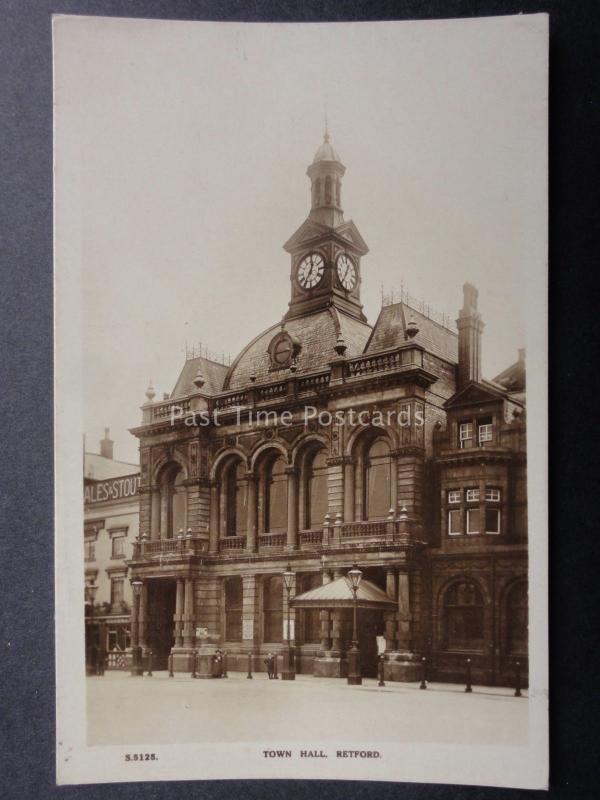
(417, 475)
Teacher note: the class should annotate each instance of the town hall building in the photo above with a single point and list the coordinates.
(338, 443)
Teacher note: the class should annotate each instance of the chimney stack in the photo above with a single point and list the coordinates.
(106, 445)
(470, 328)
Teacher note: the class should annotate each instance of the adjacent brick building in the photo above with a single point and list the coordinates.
(382, 446)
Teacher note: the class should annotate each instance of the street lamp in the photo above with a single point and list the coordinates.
(288, 673)
(354, 577)
(90, 591)
(136, 650)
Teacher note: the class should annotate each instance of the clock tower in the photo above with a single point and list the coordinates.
(325, 250)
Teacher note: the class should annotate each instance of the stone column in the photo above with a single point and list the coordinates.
(251, 538)
(336, 633)
(292, 509)
(390, 583)
(349, 490)
(404, 616)
(213, 534)
(155, 514)
(325, 640)
(179, 613)
(164, 511)
(188, 613)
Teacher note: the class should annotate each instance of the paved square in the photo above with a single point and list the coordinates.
(162, 710)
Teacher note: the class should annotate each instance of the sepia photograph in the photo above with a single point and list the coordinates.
(301, 389)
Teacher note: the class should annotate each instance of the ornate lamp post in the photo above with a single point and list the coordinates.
(288, 673)
(354, 577)
(136, 650)
(91, 596)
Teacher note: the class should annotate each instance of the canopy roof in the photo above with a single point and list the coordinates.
(338, 594)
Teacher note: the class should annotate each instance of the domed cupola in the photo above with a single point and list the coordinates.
(326, 173)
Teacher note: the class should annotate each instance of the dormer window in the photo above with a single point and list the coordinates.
(484, 431)
(465, 434)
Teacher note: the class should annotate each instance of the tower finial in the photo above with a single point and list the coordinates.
(326, 134)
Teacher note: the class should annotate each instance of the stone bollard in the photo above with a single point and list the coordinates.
(170, 665)
(518, 679)
(423, 673)
(150, 653)
(468, 687)
(249, 675)
(380, 670)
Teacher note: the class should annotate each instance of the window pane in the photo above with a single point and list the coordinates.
(492, 520)
(240, 499)
(463, 617)
(273, 609)
(472, 495)
(492, 495)
(454, 496)
(233, 610)
(454, 526)
(277, 497)
(317, 491)
(473, 520)
(378, 480)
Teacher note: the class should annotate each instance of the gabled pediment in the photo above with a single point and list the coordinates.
(350, 233)
(474, 394)
(308, 231)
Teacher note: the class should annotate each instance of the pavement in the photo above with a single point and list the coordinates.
(124, 710)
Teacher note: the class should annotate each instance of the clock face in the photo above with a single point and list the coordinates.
(346, 272)
(311, 271)
(282, 352)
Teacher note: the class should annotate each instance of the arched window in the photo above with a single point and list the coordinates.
(235, 499)
(316, 489)
(338, 193)
(377, 480)
(275, 496)
(316, 192)
(517, 620)
(233, 610)
(463, 617)
(273, 609)
(173, 502)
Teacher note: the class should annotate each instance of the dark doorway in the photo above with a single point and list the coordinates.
(370, 625)
(159, 620)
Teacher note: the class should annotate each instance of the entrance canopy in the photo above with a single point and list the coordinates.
(338, 594)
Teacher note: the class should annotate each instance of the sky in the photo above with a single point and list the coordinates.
(191, 140)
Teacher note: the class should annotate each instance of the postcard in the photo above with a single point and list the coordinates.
(301, 385)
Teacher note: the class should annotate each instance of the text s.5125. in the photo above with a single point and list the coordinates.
(141, 757)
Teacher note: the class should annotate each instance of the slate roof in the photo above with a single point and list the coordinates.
(513, 378)
(100, 468)
(213, 372)
(338, 593)
(389, 332)
(317, 333)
